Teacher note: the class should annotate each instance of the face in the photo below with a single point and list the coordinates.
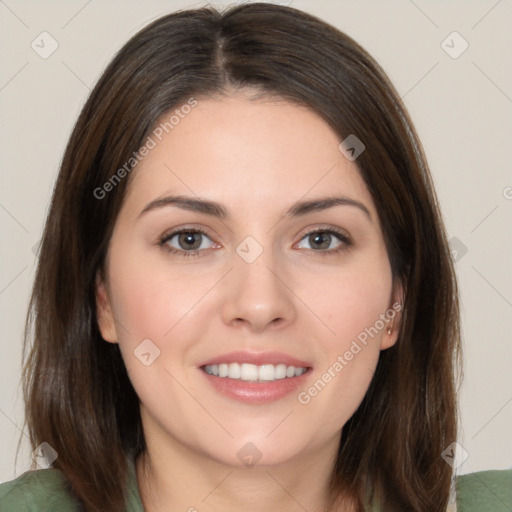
(248, 244)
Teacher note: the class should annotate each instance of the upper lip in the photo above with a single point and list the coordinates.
(258, 359)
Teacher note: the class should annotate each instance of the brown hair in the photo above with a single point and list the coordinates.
(78, 396)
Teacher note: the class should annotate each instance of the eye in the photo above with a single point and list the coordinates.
(186, 241)
(192, 241)
(327, 241)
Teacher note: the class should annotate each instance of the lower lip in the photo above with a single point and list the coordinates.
(256, 392)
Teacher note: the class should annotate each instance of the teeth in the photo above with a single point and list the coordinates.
(223, 370)
(267, 372)
(280, 371)
(251, 372)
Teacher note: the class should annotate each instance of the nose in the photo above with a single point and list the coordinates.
(257, 298)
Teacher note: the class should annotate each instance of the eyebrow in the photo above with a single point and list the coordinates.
(217, 210)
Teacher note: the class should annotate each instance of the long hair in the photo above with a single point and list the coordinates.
(78, 396)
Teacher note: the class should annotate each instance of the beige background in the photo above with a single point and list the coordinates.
(462, 108)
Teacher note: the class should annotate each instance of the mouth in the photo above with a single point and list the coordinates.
(254, 373)
(255, 378)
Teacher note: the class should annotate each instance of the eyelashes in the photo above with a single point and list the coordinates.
(185, 235)
(190, 241)
(328, 234)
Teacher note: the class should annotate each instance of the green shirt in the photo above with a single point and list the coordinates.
(44, 491)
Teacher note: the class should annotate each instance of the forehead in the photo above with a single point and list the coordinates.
(248, 154)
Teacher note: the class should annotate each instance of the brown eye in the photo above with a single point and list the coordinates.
(320, 240)
(325, 241)
(189, 240)
(186, 241)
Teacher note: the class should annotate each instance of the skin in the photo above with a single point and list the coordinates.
(256, 158)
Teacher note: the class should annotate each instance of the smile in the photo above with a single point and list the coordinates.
(252, 372)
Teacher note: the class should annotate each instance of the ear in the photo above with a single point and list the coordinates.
(394, 314)
(104, 314)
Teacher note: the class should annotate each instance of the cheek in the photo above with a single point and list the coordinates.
(352, 302)
(156, 312)
(352, 306)
(150, 299)
(153, 301)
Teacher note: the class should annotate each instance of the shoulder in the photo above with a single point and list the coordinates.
(485, 490)
(41, 490)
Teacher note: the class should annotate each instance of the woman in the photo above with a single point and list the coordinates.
(245, 297)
